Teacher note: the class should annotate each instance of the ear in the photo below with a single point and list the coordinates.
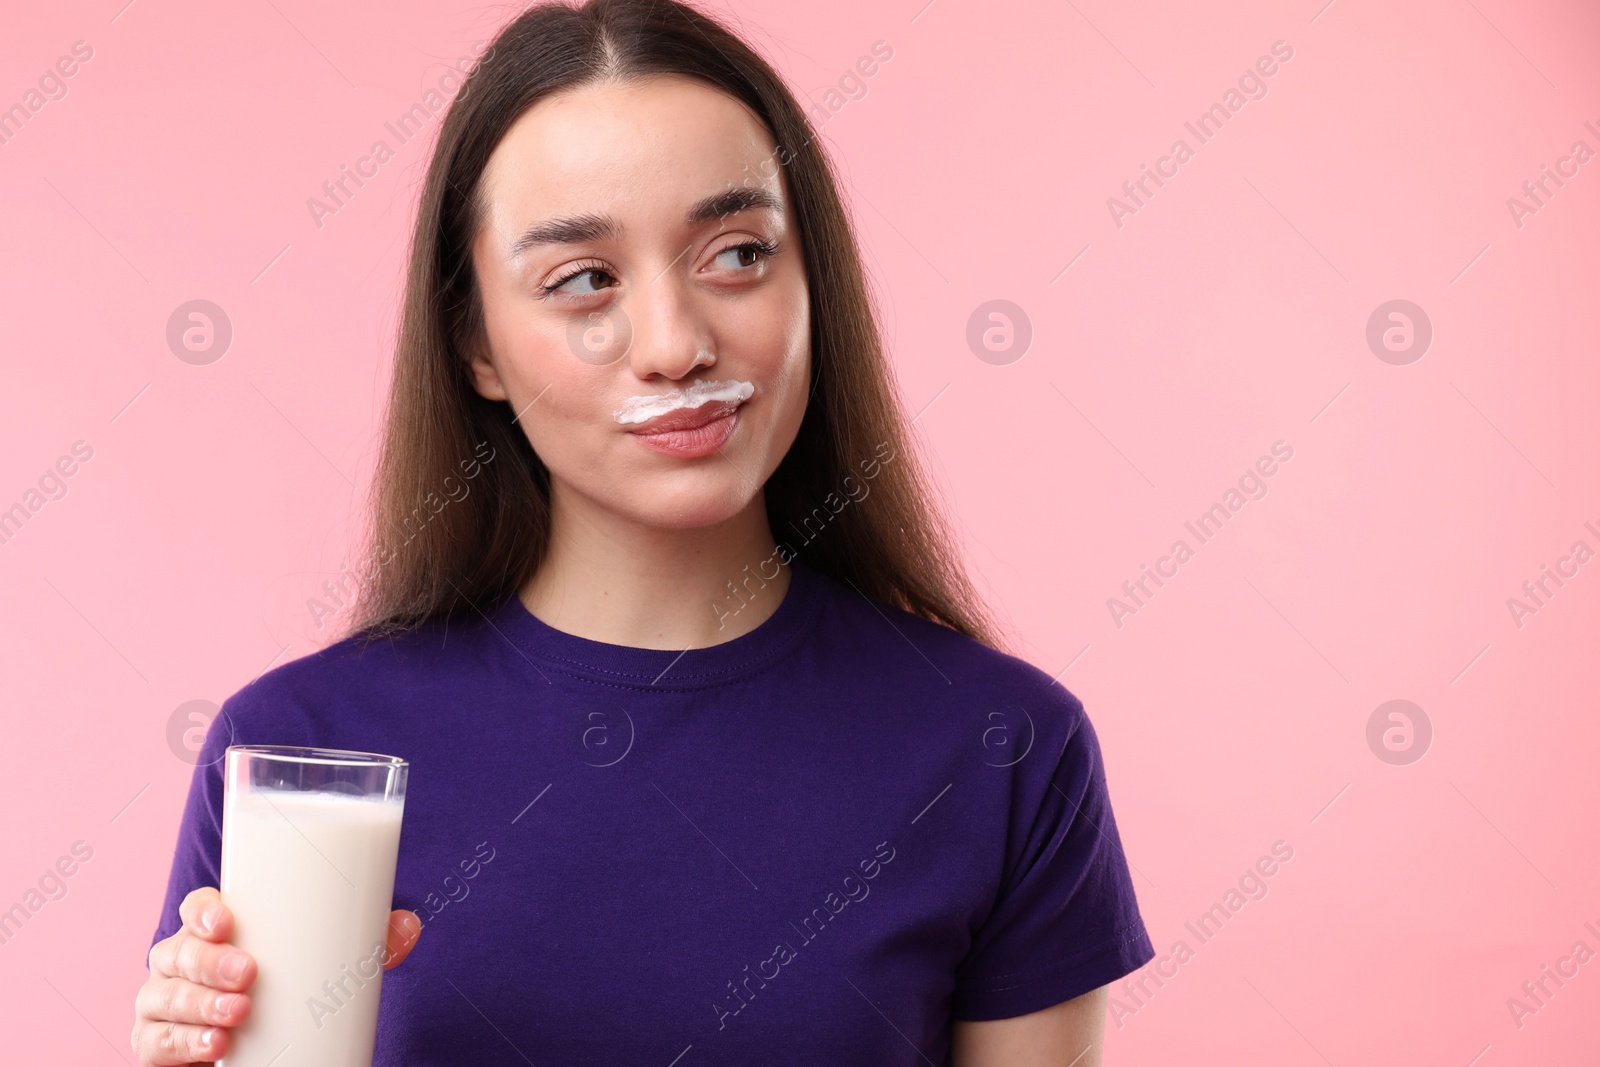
(485, 378)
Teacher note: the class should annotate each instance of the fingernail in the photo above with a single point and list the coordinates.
(209, 918)
(206, 1037)
(233, 966)
(226, 1003)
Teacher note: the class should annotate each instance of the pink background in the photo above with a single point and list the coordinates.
(1228, 313)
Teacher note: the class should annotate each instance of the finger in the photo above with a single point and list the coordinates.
(178, 1000)
(178, 1044)
(404, 929)
(203, 913)
(222, 967)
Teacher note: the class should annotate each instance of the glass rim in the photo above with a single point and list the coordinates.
(333, 757)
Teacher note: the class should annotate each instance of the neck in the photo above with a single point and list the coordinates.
(609, 579)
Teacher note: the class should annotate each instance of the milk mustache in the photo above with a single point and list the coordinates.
(309, 877)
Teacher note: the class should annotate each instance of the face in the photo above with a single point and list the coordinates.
(645, 299)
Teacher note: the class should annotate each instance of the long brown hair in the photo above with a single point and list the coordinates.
(436, 554)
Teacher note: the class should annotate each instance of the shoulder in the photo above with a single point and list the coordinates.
(298, 698)
(945, 666)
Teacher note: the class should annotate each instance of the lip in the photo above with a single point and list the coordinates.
(691, 433)
(687, 418)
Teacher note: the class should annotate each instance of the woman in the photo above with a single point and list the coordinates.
(688, 673)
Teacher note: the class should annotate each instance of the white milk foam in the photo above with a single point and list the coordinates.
(637, 409)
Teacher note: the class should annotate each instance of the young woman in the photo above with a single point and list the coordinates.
(714, 756)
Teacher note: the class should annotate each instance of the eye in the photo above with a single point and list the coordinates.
(573, 275)
(747, 255)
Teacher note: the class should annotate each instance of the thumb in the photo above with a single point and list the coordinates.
(404, 929)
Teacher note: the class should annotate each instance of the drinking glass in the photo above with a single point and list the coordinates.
(310, 837)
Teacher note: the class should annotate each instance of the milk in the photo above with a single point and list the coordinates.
(309, 877)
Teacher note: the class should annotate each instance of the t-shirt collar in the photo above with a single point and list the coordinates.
(694, 668)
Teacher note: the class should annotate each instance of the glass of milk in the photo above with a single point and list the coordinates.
(309, 842)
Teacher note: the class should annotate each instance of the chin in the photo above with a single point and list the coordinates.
(686, 506)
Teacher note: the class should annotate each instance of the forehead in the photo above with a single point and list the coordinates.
(639, 148)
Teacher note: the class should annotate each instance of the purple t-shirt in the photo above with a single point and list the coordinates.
(819, 842)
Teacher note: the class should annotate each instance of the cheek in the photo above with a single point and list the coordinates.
(794, 370)
(778, 343)
(560, 398)
(788, 367)
(570, 424)
(774, 334)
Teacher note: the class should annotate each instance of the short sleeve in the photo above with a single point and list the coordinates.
(197, 858)
(1066, 920)
(266, 711)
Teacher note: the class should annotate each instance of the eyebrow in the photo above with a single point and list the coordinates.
(572, 229)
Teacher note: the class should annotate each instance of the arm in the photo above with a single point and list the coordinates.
(1068, 1034)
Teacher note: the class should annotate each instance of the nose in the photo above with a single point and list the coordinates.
(670, 333)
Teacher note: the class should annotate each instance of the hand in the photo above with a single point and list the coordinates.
(197, 984)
